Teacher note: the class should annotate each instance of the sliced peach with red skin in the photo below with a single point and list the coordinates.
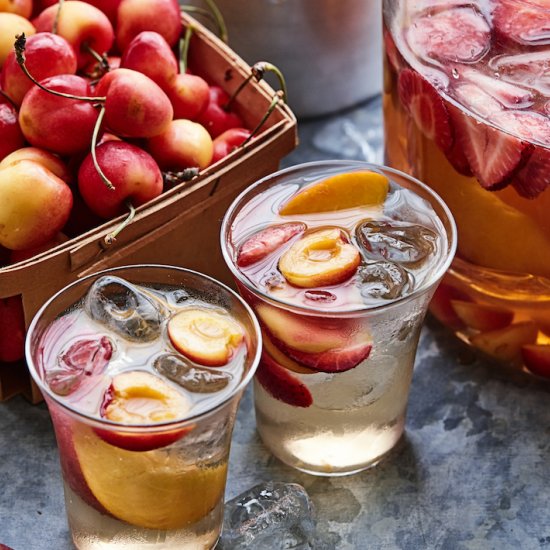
(320, 258)
(280, 384)
(205, 336)
(536, 357)
(141, 398)
(307, 333)
(505, 344)
(271, 349)
(262, 244)
(482, 316)
(442, 309)
(339, 192)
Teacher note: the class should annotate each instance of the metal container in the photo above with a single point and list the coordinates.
(328, 50)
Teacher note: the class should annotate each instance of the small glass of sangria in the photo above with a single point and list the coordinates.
(142, 369)
(338, 260)
(467, 111)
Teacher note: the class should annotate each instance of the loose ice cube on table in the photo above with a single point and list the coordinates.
(401, 243)
(382, 280)
(270, 515)
(125, 309)
(193, 379)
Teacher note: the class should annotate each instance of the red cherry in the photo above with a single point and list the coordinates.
(214, 117)
(12, 329)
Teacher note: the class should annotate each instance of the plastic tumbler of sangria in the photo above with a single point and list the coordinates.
(467, 111)
(142, 369)
(338, 260)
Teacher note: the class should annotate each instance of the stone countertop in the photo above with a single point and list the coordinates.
(473, 471)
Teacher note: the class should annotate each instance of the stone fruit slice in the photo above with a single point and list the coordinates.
(320, 258)
(281, 358)
(349, 190)
(537, 359)
(205, 336)
(482, 316)
(138, 397)
(522, 22)
(442, 309)
(263, 243)
(155, 489)
(505, 344)
(280, 384)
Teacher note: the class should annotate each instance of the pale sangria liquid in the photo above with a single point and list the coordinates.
(332, 386)
(467, 111)
(141, 476)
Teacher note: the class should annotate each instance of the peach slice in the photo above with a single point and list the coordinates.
(280, 384)
(505, 344)
(537, 359)
(283, 360)
(482, 316)
(138, 397)
(310, 334)
(205, 336)
(442, 309)
(155, 490)
(349, 190)
(320, 258)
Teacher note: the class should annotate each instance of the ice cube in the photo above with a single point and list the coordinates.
(401, 243)
(382, 280)
(528, 69)
(271, 515)
(83, 358)
(273, 280)
(192, 378)
(125, 308)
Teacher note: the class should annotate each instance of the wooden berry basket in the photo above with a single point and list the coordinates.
(180, 227)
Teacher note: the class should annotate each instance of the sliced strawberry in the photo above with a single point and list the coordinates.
(534, 178)
(476, 99)
(426, 107)
(522, 22)
(282, 385)
(331, 360)
(458, 34)
(537, 359)
(547, 108)
(494, 156)
(526, 69)
(263, 243)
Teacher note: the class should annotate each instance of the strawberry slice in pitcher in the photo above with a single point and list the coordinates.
(459, 34)
(426, 107)
(526, 23)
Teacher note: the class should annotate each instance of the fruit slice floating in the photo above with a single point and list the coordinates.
(278, 356)
(138, 397)
(522, 22)
(205, 336)
(348, 190)
(155, 489)
(426, 107)
(482, 316)
(505, 344)
(459, 34)
(263, 243)
(332, 360)
(281, 385)
(441, 306)
(320, 258)
(537, 359)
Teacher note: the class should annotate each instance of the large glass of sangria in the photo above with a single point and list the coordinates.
(467, 110)
(338, 261)
(142, 369)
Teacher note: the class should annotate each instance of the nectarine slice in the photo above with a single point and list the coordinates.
(155, 489)
(537, 359)
(281, 358)
(505, 344)
(482, 316)
(348, 190)
(205, 336)
(318, 259)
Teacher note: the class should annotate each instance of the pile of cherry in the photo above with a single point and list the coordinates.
(97, 115)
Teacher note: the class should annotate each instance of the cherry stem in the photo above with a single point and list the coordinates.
(56, 20)
(9, 99)
(174, 178)
(257, 71)
(19, 47)
(111, 237)
(274, 102)
(184, 48)
(214, 14)
(101, 59)
(97, 126)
